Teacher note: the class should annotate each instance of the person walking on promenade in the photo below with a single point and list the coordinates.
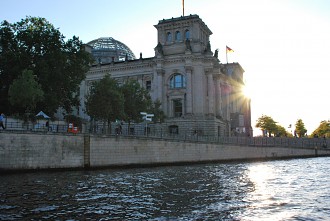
(324, 142)
(2, 117)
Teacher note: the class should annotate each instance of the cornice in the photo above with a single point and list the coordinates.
(183, 58)
(121, 67)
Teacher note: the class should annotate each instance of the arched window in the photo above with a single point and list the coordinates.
(169, 37)
(177, 81)
(187, 34)
(177, 36)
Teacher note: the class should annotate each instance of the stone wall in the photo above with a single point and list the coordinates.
(46, 151)
(34, 151)
(127, 151)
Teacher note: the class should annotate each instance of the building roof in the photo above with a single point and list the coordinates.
(106, 49)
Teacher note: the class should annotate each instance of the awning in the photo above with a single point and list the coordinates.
(42, 114)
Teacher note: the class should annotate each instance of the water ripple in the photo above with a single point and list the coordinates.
(276, 190)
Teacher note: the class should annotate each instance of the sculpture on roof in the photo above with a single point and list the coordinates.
(159, 48)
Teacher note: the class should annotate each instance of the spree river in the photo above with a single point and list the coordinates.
(297, 189)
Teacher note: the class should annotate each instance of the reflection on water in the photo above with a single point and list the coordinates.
(289, 190)
(276, 190)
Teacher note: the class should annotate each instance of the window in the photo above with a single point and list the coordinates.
(177, 107)
(169, 37)
(177, 81)
(187, 34)
(148, 85)
(177, 36)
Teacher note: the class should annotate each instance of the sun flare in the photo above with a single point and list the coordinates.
(247, 91)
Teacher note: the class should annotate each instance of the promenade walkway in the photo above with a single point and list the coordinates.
(241, 141)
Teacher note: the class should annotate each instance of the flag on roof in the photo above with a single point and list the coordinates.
(228, 49)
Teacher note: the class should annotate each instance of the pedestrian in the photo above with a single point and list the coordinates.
(120, 129)
(324, 142)
(2, 117)
(47, 125)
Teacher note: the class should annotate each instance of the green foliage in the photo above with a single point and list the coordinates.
(158, 112)
(25, 92)
(266, 123)
(60, 66)
(322, 130)
(137, 99)
(282, 132)
(105, 101)
(300, 128)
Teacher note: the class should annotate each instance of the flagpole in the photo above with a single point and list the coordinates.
(228, 49)
(183, 7)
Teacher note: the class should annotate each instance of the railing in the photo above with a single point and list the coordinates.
(19, 126)
(164, 135)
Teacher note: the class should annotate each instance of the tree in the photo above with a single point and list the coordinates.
(137, 99)
(59, 65)
(105, 101)
(266, 123)
(300, 128)
(25, 92)
(282, 132)
(159, 115)
(322, 130)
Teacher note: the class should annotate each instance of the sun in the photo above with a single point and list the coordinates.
(247, 91)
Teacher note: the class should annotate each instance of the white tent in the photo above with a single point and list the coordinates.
(42, 114)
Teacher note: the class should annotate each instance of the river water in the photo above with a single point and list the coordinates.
(297, 189)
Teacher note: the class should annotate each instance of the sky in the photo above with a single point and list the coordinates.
(283, 45)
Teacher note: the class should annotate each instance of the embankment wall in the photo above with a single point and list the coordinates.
(50, 151)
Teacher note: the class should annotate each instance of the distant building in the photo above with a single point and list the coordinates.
(199, 95)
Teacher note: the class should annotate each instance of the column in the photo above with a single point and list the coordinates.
(228, 95)
(160, 87)
(189, 109)
(218, 97)
(225, 101)
(210, 92)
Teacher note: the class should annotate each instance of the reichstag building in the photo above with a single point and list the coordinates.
(198, 93)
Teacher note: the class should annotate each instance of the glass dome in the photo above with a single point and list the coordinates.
(104, 50)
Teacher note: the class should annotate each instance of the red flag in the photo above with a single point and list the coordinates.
(228, 49)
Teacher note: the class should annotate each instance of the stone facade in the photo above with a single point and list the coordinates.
(198, 93)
